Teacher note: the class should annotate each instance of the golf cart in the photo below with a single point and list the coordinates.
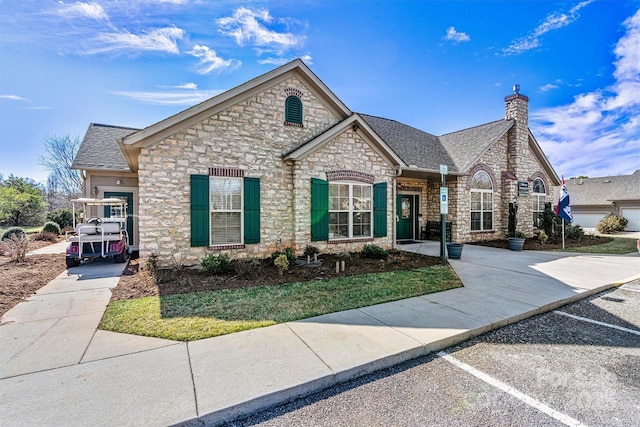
(99, 236)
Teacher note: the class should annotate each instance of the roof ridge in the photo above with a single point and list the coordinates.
(397, 121)
(114, 126)
(477, 126)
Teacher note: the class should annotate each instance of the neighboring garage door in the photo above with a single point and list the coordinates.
(633, 216)
(587, 220)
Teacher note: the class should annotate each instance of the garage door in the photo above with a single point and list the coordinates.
(633, 216)
(587, 220)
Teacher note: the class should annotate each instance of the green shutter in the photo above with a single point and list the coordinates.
(252, 210)
(319, 210)
(380, 209)
(199, 210)
(293, 110)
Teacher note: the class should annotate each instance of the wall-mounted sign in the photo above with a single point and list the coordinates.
(523, 188)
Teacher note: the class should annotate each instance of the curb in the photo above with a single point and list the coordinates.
(270, 400)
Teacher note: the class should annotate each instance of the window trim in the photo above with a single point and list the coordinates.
(240, 211)
(482, 211)
(537, 196)
(351, 211)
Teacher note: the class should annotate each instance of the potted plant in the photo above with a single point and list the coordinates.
(516, 242)
(454, 250)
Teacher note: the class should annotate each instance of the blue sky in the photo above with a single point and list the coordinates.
(438, 66)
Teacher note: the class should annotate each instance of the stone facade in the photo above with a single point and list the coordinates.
(348, 151)
(250, 135)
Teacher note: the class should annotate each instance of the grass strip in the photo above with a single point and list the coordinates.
(619, 246)
(195, 316)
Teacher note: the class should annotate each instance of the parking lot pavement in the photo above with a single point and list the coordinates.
(577, 365)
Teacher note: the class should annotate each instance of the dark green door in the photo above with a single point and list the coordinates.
(129, 198)
(404, 229)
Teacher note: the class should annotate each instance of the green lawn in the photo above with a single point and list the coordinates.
(201, 315)
(619, 246)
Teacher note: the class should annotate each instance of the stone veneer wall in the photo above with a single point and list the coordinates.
(249, 135)
(495, 161)
(522, 162)
(347, 151)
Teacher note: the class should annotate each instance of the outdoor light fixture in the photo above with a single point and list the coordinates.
(118, 182)
(95, 190)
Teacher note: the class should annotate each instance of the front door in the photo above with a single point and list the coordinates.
(404, 229)
(129, 198)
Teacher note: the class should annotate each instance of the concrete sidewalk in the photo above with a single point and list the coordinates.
(57, 369)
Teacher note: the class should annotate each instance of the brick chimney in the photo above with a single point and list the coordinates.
(517, 109)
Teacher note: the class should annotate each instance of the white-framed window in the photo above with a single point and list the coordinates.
(481, 202)
(539, 195)
(225, 195)
(350, 210)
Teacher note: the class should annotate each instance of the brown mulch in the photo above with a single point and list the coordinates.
(137, 282)
(21, 280)
(536, 245)
(18, 281)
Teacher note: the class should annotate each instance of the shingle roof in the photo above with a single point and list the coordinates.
(603, 190)
(458, 150)
(412, 145)
(467, 145)
(100, 149)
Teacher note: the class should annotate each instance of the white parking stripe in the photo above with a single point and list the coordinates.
(595, 322)
(563, 418)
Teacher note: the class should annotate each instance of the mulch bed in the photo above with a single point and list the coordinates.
(137, 282)
(20, 280)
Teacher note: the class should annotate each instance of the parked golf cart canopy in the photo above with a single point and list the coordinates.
(100, 236)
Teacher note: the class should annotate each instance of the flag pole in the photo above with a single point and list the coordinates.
(563, 234)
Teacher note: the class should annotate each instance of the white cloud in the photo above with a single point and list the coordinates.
(307, 59)
(89, 10)
(456, 36)
(160, 40)
(598, 134)
(180, 98)
(13, 97)
(210, 61)
(552, 22)
(548, 87)
(189, 86)
(251, 26)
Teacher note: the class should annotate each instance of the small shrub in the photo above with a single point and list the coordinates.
(543, 237)
(216, 264)
(611, 224)
(310, 251)
(374, 252)
(16, 246)
(573, 232)
(12, 231)
(247, 268)
(51, 227)
(151, 263)
(62, 217)
(45, 236)
(281, 262)
(288, 252)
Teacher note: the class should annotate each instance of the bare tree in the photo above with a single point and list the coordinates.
(60, 150)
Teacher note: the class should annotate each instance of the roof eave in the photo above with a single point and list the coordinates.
(543, 159)
(354, 120)
(469, 164)
(230, 97)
